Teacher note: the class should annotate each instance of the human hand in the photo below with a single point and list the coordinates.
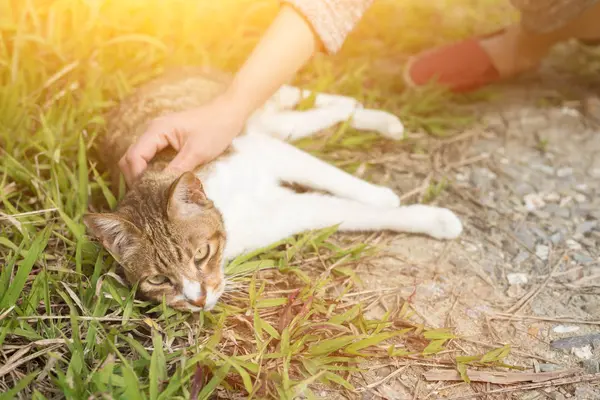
(198, 135)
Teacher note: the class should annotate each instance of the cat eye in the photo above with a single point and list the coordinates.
(158, 280)
(201, 255)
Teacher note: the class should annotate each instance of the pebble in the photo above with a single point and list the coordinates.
(594, 170)
(565, 201)
(582, 258)
(585, 352)
(591, 366)
(518, 278)
(549, 367)
(557, 396)
(573, 245)
(523, 188)
(575, 341)
(586, 392)
(542, 251)
(565, 329)
(558, 211)
(580, 198)
(586, 226)
(533, 201)
(481, 177)
(525, 237)
(521, 257)
(548, 170)
(552, 197)
(556, 238)
(564, 172)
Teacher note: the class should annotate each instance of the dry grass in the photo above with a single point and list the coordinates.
(69, 327)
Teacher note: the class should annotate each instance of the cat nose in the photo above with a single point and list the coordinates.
(199, 302)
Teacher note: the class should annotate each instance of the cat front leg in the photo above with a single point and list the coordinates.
(290, 164)
(291, 213)
(288, 97)
(277, 120)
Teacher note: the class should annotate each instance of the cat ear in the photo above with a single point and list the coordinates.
(117, 235)
(187, 197)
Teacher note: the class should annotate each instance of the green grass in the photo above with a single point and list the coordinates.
(69, 327)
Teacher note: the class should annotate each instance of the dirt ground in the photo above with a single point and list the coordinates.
(526, 182)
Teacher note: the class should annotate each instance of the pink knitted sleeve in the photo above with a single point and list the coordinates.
(332, 20)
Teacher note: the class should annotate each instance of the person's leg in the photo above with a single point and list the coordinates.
(476, 62)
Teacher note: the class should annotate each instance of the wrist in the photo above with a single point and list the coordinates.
(237, 103)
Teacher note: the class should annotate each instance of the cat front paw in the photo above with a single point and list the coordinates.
(445, 225)
(394, 129)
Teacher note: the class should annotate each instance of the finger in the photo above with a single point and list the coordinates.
(186, 160)
(137, 157)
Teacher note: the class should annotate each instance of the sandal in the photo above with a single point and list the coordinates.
(462, 66)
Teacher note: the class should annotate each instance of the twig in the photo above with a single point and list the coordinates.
(500, 378)
(381, 381)
(505, 316)
(417, 386)
(557, 382)
(16, 359)
(532, 294)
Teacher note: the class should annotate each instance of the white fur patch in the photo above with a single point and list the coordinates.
(211, 299)
(191, 289)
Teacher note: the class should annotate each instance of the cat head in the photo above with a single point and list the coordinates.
(169, 238)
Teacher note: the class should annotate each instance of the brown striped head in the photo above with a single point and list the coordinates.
(169, 237)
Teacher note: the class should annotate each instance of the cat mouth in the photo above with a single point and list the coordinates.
(190, 305)
(199, 302)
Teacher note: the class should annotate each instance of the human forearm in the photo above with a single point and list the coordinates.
(286, 47)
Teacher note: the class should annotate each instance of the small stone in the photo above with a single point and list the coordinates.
(525, 237)
(552, 197)
(542, 251)
(565, 201)
(517, 278)
(462, 177)
(558, 211)
(556, 238)
(594, 170)
(586, 392)
(564, 172)
(539, 233)
(482, 177)
(575, 341)
(591, 366)
(557, 396)
(548, 170)
(580, 198)
(549, 367)
(565, 329)
(521, 257)
(585, 352)
(586, 226)
(573, 245)
(582, 258)
(523, 188)
(533, 201)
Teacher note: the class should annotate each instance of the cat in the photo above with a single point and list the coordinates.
(173, 234)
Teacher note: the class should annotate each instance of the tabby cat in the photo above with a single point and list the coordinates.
(174, 234)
